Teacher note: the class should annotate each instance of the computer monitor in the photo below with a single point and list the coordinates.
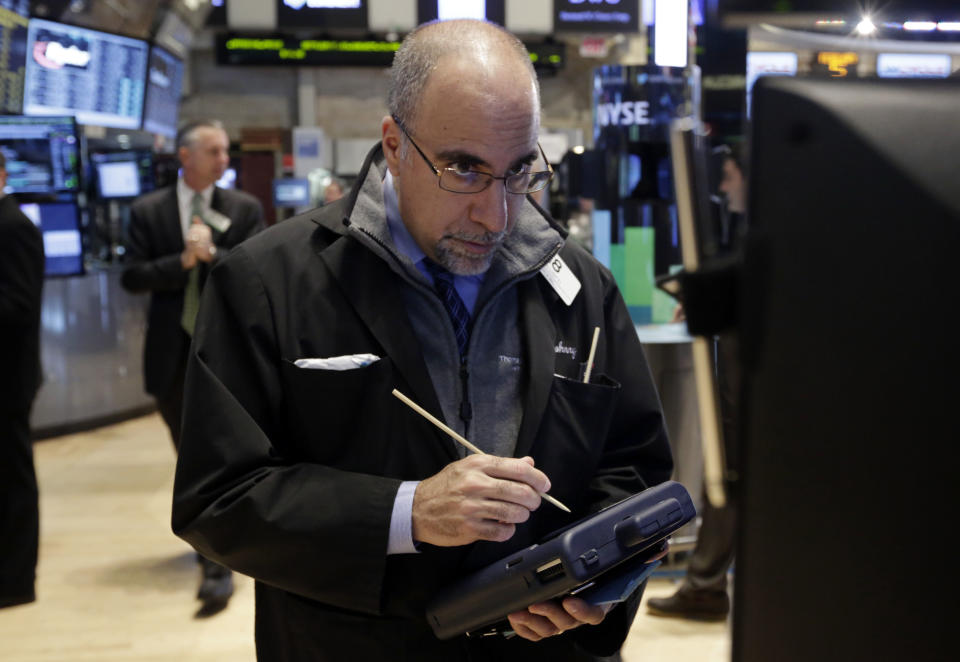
(96, 76)
(228, 179)
(118, 179)
(445, 10)
(123, 174)
(847, 317)
(13, 57)
(42, 154)
(164, 82)
(768, 63)
(914, 65)
(289, 192)
(59, 223)
(329, 14)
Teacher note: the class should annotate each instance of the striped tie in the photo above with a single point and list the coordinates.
(456, 309)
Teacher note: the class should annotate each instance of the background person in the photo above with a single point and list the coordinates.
(176, 235)
(21, 284)
(702, 594)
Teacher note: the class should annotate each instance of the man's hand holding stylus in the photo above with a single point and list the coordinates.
(481, 497)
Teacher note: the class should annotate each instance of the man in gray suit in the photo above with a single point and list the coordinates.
(176, 235)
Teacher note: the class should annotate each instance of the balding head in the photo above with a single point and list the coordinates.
(476, 48)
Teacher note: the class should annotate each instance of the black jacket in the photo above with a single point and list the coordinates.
(154, 244)
(21, 284)
(289, 475)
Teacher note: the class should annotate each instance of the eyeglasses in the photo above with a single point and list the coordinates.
(463, 180)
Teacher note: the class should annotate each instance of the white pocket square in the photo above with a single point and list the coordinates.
(345, 362)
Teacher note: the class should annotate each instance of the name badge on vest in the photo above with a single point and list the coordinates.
(561, 279)
(216, 220)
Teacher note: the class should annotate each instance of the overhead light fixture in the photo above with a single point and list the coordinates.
(671, 33)
(949, 26)
(919, 26)
(866, 27)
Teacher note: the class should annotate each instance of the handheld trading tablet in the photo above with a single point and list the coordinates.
(570, 560)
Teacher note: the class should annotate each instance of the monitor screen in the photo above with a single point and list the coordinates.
(445, 10)
(21, 7)
(586, 17)
(913, 65)
(118, 179)
(291, 192)
(322, 14)
(228, 179)
(13, 57)
(766, 63)
(96, 76)
(164, 81)
(42, 154)
(123, 174)
(59, 223)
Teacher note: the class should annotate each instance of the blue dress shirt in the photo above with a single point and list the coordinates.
(468, 287)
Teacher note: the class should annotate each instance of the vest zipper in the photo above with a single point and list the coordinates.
(466, 411)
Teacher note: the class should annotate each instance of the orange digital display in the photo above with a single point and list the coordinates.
(837, 63)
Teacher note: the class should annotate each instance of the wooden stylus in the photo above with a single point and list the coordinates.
(456, 437)
(593, 351)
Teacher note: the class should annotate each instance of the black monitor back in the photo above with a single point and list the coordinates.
(848, 482)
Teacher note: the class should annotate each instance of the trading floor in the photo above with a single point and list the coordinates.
(114, 583)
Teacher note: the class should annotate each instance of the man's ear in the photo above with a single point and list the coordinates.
(391, 139)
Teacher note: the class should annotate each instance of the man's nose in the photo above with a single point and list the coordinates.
(489, 207)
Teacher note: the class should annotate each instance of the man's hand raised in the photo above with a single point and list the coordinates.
(200, 240)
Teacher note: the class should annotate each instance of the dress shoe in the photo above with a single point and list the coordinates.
(15, 600)
(692, 604)
(216, 586)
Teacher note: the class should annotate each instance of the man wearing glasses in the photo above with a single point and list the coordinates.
(439, 277)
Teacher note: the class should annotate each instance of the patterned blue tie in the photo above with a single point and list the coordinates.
(456, 309)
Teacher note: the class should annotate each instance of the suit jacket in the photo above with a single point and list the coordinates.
(21, 284)
(289, 475)
(154, 244)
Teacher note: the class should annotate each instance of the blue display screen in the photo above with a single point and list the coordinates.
(59, 222)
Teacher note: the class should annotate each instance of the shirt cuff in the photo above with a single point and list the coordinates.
(401, 520)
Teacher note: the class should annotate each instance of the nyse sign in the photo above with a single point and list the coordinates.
(635, 104)
(623, 113)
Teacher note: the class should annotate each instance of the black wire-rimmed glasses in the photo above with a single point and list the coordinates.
(457, 180)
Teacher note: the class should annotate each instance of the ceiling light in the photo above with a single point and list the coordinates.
(949, 26)
(919, 26)
(866, 27)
